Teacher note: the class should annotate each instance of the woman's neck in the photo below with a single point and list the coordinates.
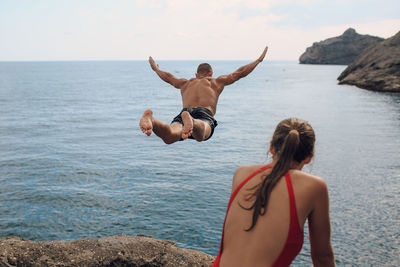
(293, 166)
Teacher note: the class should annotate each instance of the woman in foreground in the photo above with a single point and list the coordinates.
(270, 204)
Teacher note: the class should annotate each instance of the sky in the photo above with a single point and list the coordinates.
(42, 30)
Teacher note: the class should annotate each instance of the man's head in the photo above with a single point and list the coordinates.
(204, 69)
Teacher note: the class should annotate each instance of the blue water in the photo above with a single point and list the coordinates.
(74, 163)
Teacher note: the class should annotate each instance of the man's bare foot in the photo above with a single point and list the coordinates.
(146, 123)
(187, 125)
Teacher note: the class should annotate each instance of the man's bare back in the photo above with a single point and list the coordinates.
(199, 99)
(201, 92)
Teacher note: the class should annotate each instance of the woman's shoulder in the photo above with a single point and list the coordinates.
(312, 182)
(242, 172)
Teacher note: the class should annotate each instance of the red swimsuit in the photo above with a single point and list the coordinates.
(295, 238)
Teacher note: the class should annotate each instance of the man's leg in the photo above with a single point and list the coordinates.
(200, 130)
(168, 133)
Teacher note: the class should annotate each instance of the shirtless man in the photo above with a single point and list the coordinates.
(199, 99)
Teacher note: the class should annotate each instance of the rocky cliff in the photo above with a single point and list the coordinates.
(120, 250)
(377, 68)
(341, 50)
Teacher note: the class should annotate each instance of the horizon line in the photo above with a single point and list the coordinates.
(102, 60)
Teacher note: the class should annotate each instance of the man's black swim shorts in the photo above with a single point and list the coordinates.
(200, 113)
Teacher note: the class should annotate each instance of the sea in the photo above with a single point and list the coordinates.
(75, 164)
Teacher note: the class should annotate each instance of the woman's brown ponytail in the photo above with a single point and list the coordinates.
(293, 140)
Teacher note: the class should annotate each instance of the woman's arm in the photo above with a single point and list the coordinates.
(320, 229)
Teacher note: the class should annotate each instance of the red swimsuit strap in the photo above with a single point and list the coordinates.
(294, 240)
(245, 181)
(234, 195)
(295, 234)
(294, 219)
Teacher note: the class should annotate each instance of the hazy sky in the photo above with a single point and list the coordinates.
(182, 29)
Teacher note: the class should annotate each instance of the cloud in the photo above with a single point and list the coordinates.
(179, 29)
(208, 29)
(216, 30)
(206, 4)
(384, 28)
(150, 3)
(291, 42)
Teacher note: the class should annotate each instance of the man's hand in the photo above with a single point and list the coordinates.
(260, 59)
(153, 65)
(166, 76)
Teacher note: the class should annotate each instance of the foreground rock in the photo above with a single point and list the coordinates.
(341, 50)
(120, 250)
(377, 68)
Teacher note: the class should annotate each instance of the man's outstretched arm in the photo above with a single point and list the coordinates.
(166, 76)
(241, 72)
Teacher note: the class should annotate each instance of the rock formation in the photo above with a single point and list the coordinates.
(377, 68)
(120, 250)
(341, 50)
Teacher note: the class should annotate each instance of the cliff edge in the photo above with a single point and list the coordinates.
(377, 68)
(340, 50)
(119, 250)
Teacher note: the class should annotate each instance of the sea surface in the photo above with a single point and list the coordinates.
(74, 163)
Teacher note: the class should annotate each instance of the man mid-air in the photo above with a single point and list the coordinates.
(199, 100)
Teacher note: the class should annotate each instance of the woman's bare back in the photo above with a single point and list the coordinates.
(263, 244)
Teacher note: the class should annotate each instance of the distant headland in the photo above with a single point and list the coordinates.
(377, 68)
(340, 50)
(373, 62)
